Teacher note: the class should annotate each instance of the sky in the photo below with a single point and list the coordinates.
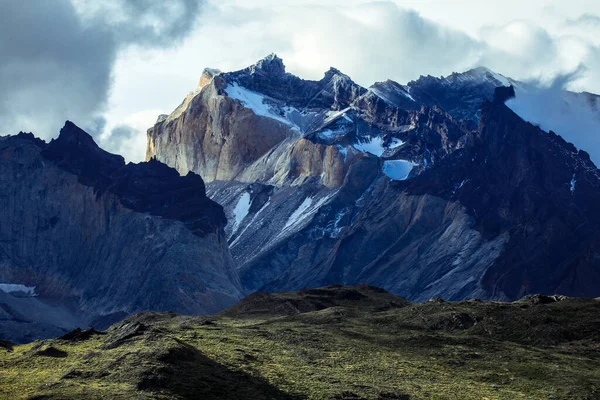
(112, 67)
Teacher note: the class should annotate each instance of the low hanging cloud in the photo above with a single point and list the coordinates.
(575, 116)
(375, 41)
(370, 42)
(58, 56)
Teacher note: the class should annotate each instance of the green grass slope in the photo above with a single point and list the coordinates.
(330, 343)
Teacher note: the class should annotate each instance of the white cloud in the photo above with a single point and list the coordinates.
(128, 136)
(575, 117)
(57, 57)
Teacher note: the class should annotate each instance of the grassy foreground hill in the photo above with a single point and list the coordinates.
(330, 343)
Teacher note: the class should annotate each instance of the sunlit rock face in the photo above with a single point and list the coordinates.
(430, 189)
(97, 239)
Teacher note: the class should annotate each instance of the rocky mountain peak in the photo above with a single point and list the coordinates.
(504, 93)
(31, 137)
(459, 94)
(395, 94)
(207, 76)
(73, 134)
(268, 76)
(149, 187)
(76, 151)
(336, 73)
(157, 189)
(270, 65)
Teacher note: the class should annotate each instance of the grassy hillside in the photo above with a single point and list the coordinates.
(331, 343)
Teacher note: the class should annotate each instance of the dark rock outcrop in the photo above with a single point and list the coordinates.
(76, 152)
(535, 186)
(80, 335)
(157, 189)
(460, 94)
(99, 239)
(151, 187)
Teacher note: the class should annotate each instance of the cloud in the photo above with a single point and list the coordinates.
(118, 137)
(128, 137)
(585, 19)
(58, 57)
(575, 116)
(144, 22)
(370, 42)
(375, 41)
(52, 66)
(62, 60)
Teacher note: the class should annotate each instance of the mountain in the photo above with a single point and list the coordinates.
(86, 240)
(431, 189)
(329, 343)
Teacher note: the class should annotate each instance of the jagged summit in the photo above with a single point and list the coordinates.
(459, 94)
(207, 76)
(149, 187)
(270, 65)
(97, 239)
(32, 138)
(269, 77)
(504, 93)
(72, 133)
(76, 151)
(334, 72)
(337, 91)
(395, 94)
(475, 75)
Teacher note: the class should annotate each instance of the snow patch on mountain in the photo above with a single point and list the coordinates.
(373, 145)
(395, 143)
(298, 213)
(479, 75)
(392, 91)
(334, 115)
(17, 288)
(250, 224)
(343, 151)
(330, 134)
(574, 116)
(258, 103)
(397, 170)
(307, 209)
(241, 209)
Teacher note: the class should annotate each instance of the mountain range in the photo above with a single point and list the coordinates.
(435, 188)
(263, 181)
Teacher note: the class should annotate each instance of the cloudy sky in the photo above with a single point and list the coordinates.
(113, 66)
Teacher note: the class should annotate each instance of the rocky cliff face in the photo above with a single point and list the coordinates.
(99, 239)
(228, 131)
(431, 189)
